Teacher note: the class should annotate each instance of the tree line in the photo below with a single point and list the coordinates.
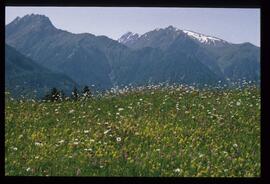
(59, 95)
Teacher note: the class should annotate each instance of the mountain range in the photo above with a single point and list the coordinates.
(161, 55)
(25, 77)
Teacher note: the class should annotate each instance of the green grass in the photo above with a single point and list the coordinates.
(169, 132)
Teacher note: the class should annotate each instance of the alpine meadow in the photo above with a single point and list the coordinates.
(168, 102)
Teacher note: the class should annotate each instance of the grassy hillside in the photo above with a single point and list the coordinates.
(169, 131)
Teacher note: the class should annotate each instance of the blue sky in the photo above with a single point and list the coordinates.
(231, 24)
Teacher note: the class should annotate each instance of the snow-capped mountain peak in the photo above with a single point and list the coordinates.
(172, 33)
(203, 38)
(128, 37)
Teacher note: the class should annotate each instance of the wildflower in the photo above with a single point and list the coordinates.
(75, 143)
(107, 131)
(15, 148)
(120, 109)
(201, 155)
(28, 169)
(235, 145)
(61, 141)
(71, 111)
(38, 144)
(177, 170)
(238, 103)
(87, 149)
(86, 131)
(118, 139)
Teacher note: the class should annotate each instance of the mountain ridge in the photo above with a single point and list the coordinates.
(199, 36)
(23, 76)
(104, 62)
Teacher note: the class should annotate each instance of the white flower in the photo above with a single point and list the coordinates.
(238, 103)
(15, 149)
(201, 155)
(87, 149)
(75, 143)
(86, 131)
(120, 109)
(38, 144)
(177, 170)
(28, 169)
(62, 141)
(71, 111)
(118, 139)
(235, 145)
(107, 131)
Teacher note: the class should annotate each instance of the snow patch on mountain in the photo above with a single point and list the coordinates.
(203, 38)
(128, 37)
